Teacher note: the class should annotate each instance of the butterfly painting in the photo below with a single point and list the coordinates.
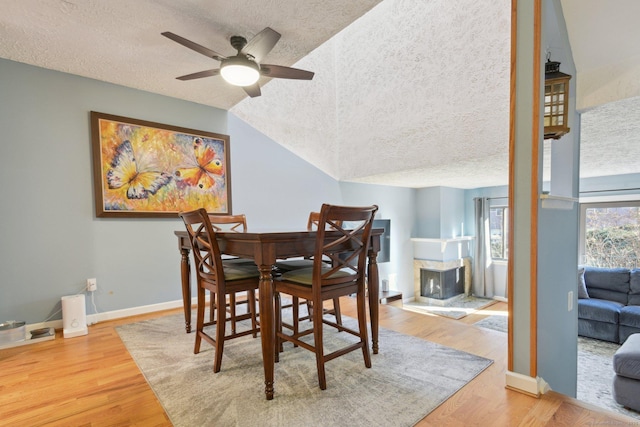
(207, 168)
(124, 172)
(146, 169)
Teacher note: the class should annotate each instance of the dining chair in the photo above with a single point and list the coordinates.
(295, 264)
(236, 223)
(346, 248)
(220, 280)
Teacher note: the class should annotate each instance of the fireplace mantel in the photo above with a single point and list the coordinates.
(443, 242)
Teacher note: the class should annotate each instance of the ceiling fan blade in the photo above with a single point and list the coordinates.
(278, 71)
(199, 75)
(194, 46)
(261, 44)
(253, 90)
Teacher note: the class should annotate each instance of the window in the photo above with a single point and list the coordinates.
(610, 234)
(498, 227)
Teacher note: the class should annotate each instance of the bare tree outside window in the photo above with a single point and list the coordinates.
(612, 234)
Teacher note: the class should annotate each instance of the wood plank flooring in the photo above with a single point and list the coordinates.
(93, 381)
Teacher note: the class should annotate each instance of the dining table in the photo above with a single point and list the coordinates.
(265, 247)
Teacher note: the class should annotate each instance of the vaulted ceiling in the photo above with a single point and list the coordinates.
(406, 93)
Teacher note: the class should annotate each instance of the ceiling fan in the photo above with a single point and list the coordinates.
(244, 69)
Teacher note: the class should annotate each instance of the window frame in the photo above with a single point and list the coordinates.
(505, 230)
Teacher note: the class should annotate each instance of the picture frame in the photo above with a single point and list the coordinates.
(145, 169)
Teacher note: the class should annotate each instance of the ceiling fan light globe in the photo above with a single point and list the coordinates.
(239, 73)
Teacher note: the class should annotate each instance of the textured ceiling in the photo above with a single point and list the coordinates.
(119, 41)
(407, 93)
(420, 97)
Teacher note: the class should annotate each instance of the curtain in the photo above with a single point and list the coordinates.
(482, 280)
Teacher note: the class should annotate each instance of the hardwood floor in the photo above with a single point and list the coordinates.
(93, 381)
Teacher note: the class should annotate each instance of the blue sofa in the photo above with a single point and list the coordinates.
(608, 303)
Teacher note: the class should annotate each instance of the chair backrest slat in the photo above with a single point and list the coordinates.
(343, 237)
(314, 218)
(206, 251)
(228, 222)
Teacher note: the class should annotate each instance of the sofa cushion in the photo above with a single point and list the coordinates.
(630, 316)
(608, 283)
(599, 310)
(634, 285)
(599, 330)
(582, 286)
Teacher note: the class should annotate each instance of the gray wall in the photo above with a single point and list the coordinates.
(52, 241)
(440, 213)
(452, 219)
(272, 186)
(428, 213)
(398, 205)
(608, 186)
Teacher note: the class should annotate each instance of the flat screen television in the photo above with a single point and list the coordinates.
(385, 239)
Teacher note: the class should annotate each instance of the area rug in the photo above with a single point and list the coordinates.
(456, 307)
(595, 368)
(400, 389)
(495, 322)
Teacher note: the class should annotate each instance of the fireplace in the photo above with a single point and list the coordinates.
(441, 284)
(444, 258)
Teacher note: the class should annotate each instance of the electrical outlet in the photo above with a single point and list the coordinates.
(92, 284)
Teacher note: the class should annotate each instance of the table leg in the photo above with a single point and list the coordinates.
(185, 274)
(374, 299)
(267, 328)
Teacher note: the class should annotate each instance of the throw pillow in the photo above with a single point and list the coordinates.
(582, 286)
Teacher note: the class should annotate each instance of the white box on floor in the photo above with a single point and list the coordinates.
(74, 316)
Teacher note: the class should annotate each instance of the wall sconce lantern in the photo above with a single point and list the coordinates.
(556, 100)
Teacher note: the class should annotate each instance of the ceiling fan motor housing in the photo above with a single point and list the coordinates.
(238, 42)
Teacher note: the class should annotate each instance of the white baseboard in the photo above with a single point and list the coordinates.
(134, 311)
(526, 384)
(92, 319)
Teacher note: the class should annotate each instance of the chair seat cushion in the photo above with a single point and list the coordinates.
(240, 271)
(294, 264)
(626, 360)
(304, 276)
